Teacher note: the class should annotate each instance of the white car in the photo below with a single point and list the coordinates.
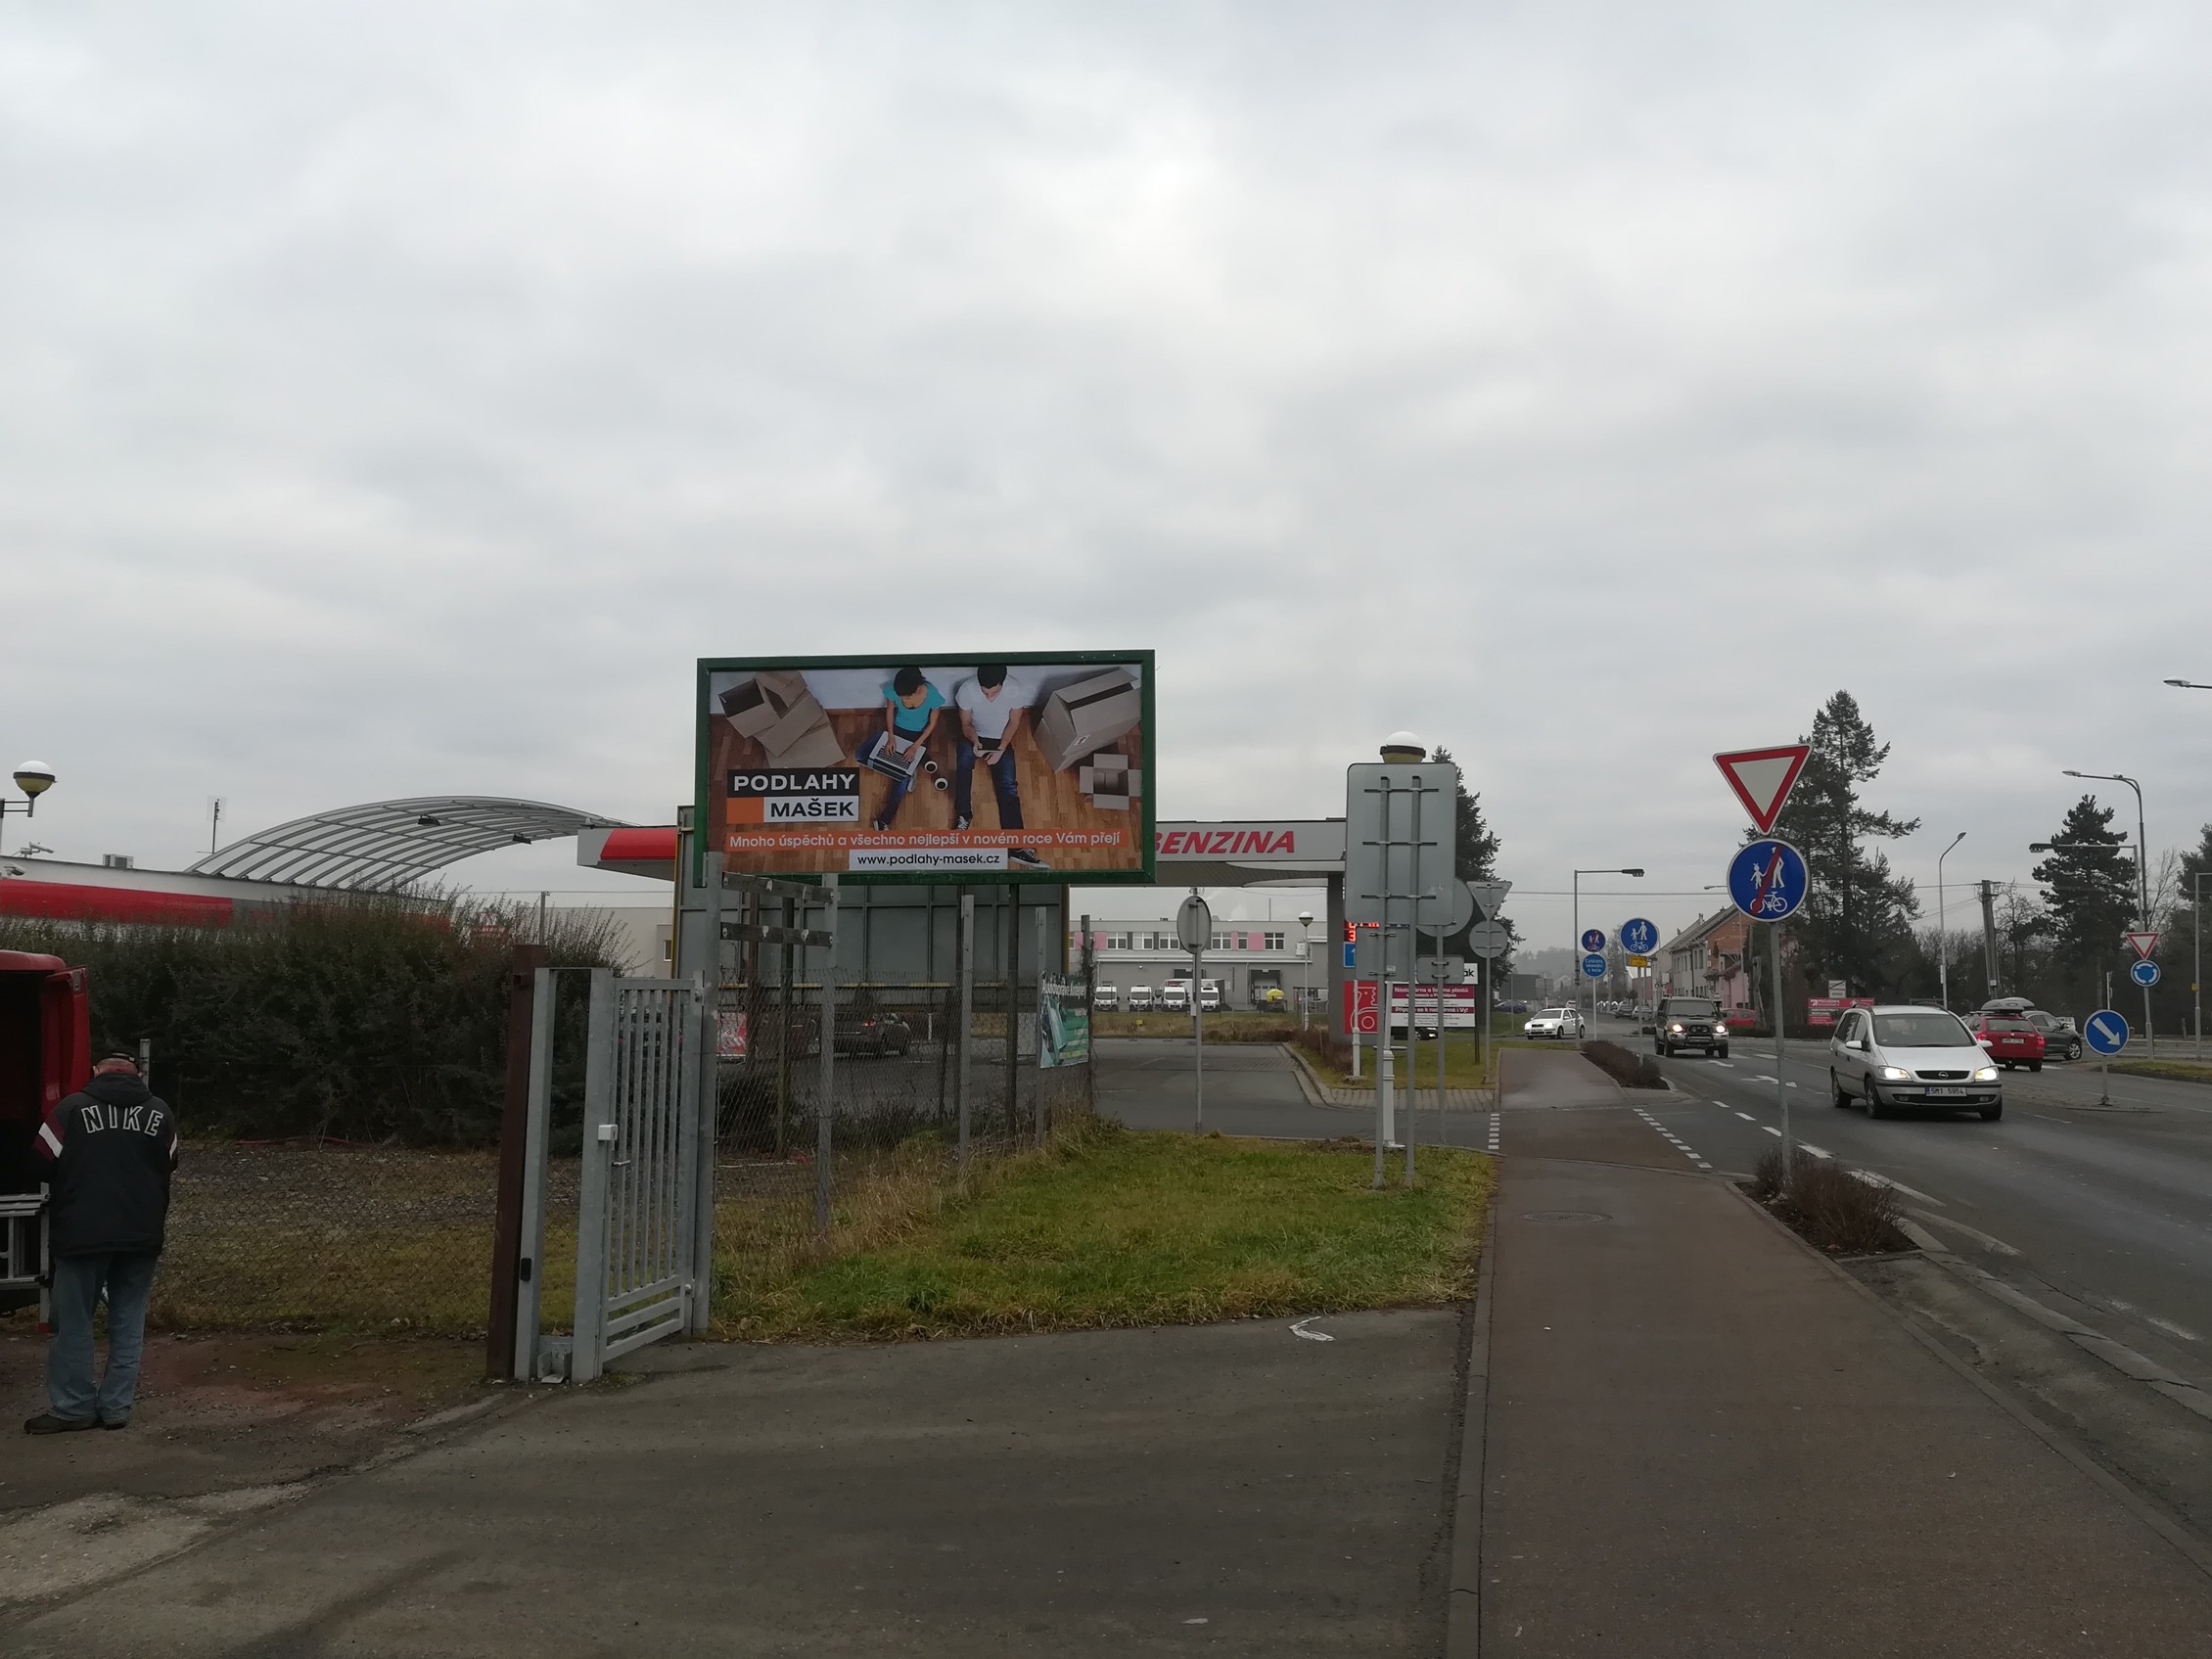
(1105, 1000)
(1175, 998)
(1891, 1056)
(1140, 999)
(1555, 1021)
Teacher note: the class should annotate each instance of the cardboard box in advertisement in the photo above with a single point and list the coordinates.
(873, 770)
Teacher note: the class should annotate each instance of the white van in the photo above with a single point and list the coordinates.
(1209, 995)
(1175, 998)
(1105, 1000)
(1140, 999)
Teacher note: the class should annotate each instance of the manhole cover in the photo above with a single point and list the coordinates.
(1565, 1216)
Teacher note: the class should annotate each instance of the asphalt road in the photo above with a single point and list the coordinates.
(2106, 1214)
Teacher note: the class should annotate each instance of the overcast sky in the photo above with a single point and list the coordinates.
(398, 397)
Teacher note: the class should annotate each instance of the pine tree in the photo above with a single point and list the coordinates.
(2093, 891)
(1855, 923)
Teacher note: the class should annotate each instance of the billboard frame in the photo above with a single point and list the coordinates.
(1147, 831)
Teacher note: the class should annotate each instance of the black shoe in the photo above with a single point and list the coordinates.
(115, 1422)
(1028, 860)
(47, 1423)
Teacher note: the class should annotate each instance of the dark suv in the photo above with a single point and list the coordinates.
(1688, 1021)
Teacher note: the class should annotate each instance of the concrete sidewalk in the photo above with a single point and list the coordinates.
(1700, 1440)
(1221, 1489)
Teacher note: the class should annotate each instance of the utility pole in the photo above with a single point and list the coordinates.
(1989, 935)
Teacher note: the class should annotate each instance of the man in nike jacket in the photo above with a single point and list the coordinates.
(111, 1148)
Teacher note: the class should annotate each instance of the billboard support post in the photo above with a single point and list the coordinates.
(1413, 989)
(1010, 962)
(784, 959)
(965, 970)
(1090, 1000)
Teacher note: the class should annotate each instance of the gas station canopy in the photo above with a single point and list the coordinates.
(386, 845)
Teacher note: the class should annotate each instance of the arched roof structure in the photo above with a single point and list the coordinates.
(386, 845)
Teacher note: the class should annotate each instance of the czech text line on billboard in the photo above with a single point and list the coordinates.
(929, 768)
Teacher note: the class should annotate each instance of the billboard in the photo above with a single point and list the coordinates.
(1019, 767)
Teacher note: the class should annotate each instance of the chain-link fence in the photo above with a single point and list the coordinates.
(921, 1103)
(331, 1235)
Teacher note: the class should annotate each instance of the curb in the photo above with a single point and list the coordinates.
(2150, 1515)
(1463, 1595)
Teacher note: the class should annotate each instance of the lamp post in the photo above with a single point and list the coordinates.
(35, 778)
(1577, 886)
(2142, 884)
(1305, 963)
(1943, 935)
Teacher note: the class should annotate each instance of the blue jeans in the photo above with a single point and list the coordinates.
(79, 1281)
(899, 786)
(1003, 784)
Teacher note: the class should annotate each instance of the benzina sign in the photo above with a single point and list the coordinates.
(1022, 767)
(1262, 842)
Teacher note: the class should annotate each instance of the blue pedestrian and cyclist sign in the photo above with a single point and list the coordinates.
(1768, 880)
(2145, 974)
(1638, 938)
(2105, 1032)
(1594, 966)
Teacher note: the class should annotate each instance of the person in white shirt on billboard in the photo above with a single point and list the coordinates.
(992, 704)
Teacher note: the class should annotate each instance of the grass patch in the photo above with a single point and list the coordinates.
(2174, 1071)
(1234, 1025)
(1464, 1067)
(1110, 1227)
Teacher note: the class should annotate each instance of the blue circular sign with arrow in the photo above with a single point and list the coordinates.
(1638, 938)
(1594, 965)
(2105, 1032)
(2145, 974)
(1768, 880)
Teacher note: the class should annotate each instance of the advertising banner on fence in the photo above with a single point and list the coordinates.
(929, 768)
(1824, 1010)
(1063, 1027)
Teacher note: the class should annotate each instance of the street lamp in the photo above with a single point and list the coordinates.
(1577, 886)
(1943, 934)
(2190, 684)
(1305, 963)
(35, 778)
(2142, 882)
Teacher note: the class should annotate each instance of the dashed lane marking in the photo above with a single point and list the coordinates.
(1747, 1116)
(1496, 1118)
(1673, 1139)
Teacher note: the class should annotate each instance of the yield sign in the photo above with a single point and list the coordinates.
(1490, 897)
(2145, 943)
(1762, 778)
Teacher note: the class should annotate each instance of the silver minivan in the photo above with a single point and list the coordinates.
(1891, 1056)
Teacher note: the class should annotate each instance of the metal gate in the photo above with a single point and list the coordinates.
(642, 1254)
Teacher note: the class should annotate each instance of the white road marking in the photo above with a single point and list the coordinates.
(1975, 1233)
(1771, 1129)
(1731, 1064)
(1816, 1151)
(2172, 1329)
(1762, 1077)
(1299, 1329)
(1872, 1179)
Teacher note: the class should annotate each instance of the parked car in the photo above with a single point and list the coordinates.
(2008, 1037)
(1690, 1022)
(1563, 1023)
(1141, 1000)
(1209, 995)
(1105, 998)
(1175, 998)
(873, 1034)
(1894, 1055)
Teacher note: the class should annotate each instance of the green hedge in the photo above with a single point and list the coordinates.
(360, 1018)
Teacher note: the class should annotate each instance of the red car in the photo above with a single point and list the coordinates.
(2009, 1038)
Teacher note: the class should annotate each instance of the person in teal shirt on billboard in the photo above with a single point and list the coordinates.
(910, 706)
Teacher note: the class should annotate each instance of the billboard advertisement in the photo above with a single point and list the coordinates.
(1020, 767)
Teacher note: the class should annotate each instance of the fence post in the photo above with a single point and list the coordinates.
(707, 1101)
(1090, 1008)
(1010, 971)
(965, 968)
(598, 1156)
(529, 1293)
(1041, 918)
(825, 1107)
(513, 1137)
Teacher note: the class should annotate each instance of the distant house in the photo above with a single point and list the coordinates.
(1705, 959)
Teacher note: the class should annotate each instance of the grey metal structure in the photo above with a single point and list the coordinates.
(381, 846)
(642, 1256)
